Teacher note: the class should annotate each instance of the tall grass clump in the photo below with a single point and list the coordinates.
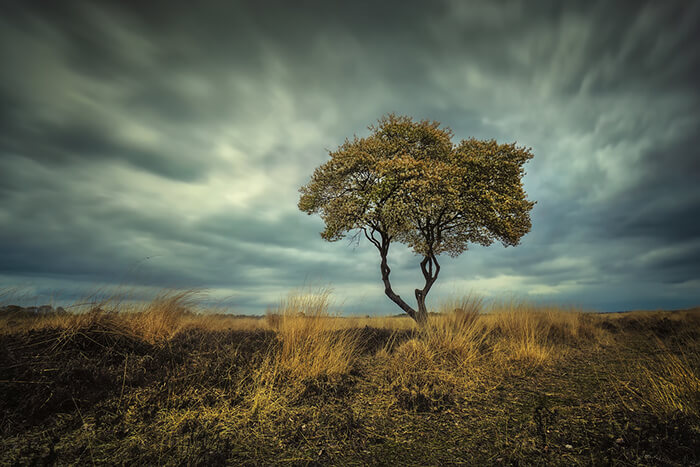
(463, 311)
(310, 351)
(456, 333)
(152, 321)
(162, 317)
(522, 333)
(570, 325)
(536, 335)
(440, 361)
(672, 380)
(450, 339)
(416, 377)
(309, 343)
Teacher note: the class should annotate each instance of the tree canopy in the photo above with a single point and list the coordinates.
(407, 182)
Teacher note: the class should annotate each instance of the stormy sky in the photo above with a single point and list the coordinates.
(153, 145)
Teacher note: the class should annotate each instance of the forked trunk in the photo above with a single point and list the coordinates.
(429, 267)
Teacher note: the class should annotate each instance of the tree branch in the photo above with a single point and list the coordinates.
(371, 238)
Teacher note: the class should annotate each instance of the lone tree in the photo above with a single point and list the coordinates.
(407, 182)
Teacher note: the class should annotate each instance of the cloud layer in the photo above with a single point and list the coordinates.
(159, 145)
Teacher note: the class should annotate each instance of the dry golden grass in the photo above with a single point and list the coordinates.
(311, 347)
(314, 342)
(672, 380)
(394, 323)
(456, 336)
(346, 379)
(440, 362)
(270, 394)
(531, 334)
(156, 320)
(161, 318)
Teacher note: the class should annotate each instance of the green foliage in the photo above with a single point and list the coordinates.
(408, 182)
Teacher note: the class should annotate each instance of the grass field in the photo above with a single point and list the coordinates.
(481, 384)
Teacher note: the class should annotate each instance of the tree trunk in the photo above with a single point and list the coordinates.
(422, 312)
(384, 251)
(429, 267)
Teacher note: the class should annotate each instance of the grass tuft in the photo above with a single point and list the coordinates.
(167, 382)
(673, 380)
(311, 351)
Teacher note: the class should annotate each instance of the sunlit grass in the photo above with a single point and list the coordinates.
(310, 346)
(672, 380)
(440, 362)
(531, 334)
(245, 380)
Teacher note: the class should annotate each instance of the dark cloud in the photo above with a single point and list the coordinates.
(158, 144)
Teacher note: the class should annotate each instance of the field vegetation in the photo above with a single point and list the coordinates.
(480, 383)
